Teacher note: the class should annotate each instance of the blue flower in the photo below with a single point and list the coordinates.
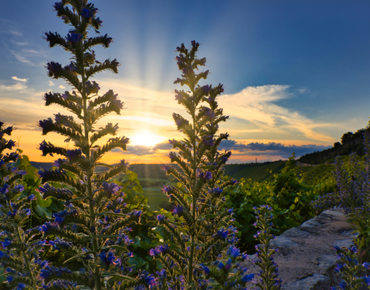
(71, 154)
(205, 269)
(222, 233)
(74, 37)
(233, 252)
(177, 209)
(20, 286)
(160, 217)
(247, 278)
(216, 191)
(148, 279)
(162, 274)
(87, 13)
(343, 284)
(6, 243)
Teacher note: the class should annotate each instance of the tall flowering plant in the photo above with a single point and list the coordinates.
(201, 253)
(20, 245)
(92, 229)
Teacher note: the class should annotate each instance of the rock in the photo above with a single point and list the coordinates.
(306, 257)
(312, 282)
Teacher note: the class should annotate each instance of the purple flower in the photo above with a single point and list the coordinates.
(222, 233)
(177, 209)
(54, 68)
(208, 140)
(58, 6)
(136, 213)
(162, 274)
(71, 154)
(215, 191)
(205, 269)
(179, 95)
(172, 156)
(147, 279)
(247, 278)
(160, 217)
(74, 37)
(111, 187)
(87, 13)
(233, 252)
(207, 89)
(4, 189)
(6, 243)
(204, 176)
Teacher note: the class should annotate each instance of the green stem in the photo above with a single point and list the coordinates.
(194, 199)
(23, 253)
(98, 285)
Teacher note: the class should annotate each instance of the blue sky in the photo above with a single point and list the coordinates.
(295, 73)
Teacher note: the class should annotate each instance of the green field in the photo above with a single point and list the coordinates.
(155, 197)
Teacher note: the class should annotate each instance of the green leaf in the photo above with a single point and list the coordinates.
(43, 212)
(118, 277)
(43, 202)
(77, 256)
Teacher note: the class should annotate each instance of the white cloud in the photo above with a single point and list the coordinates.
(51, 84)
(255, 104)
(62, 87)
(15, 87)
(19, 80)
(16, 33)
(21, 58)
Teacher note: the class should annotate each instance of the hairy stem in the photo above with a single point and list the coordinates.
(23, 253)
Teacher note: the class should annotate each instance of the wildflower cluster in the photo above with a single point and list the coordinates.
(350, 269)
(269, 270)
(19, 254)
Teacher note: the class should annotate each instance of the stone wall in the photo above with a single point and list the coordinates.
(306, 257)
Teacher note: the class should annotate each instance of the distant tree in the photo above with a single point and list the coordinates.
(337, 144)
(347, 137)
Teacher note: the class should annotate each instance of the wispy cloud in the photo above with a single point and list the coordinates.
(19, 79)
(62, 87)
(13, 87)
(51, 84)
(256, 104)
(15, 32)
(21, 58)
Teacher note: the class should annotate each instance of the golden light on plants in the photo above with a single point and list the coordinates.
(145, 138)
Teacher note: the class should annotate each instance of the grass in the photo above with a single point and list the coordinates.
(156, 198)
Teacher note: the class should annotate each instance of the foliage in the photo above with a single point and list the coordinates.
(20, 244)
(353, 196)
(286, 194)
(290, 198)
(243, 197)
(350, 269)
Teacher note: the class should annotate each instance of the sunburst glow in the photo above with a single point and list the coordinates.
(145, 138)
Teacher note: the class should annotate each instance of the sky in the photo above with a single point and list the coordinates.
(295, 73)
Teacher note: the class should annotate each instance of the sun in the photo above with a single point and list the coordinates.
(145, 138)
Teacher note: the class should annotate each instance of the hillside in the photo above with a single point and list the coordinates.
(350, 143)
(256, 171)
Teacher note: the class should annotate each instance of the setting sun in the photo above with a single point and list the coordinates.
(145, 138)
